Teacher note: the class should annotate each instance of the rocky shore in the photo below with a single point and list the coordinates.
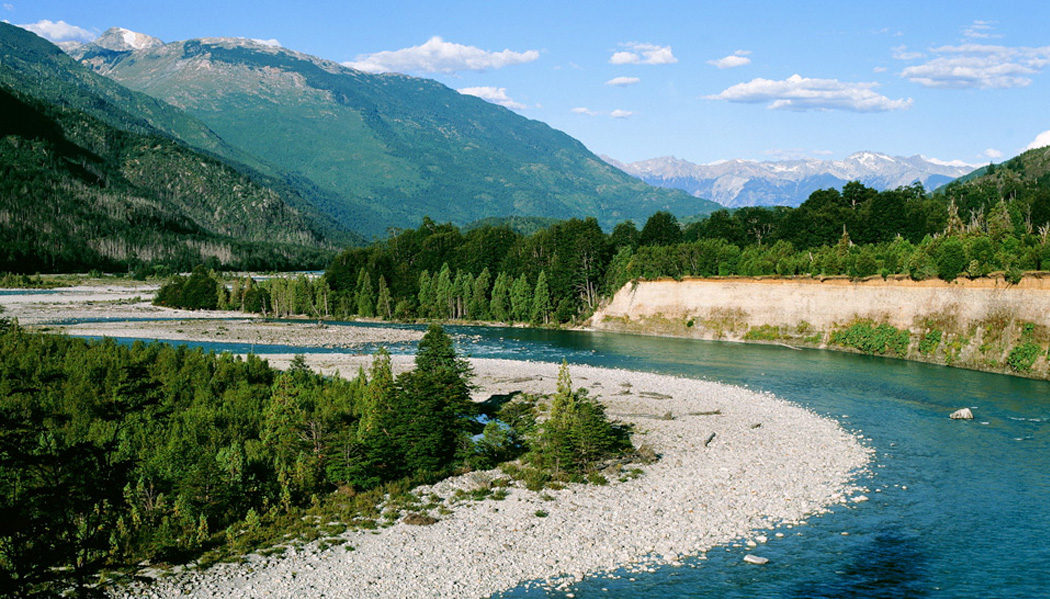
(127, 305)
(769, 463)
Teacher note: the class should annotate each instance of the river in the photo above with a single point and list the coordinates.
(956, 509)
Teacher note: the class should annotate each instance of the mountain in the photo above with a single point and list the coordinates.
(87, 181)
(736, 183)
(375, 151)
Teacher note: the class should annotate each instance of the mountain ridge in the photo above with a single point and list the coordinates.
(736, 183)
(383, 150)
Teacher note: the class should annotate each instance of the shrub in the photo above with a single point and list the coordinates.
(929, 342)
(1023, 356)
(868, 338)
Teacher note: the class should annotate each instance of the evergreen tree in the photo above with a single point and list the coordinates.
(541, 301)
(384, 308)
(365, 300)
(443, 293)
(478, 306)
(520, 299)
(426, 295)
(499, 307)
(459, 295)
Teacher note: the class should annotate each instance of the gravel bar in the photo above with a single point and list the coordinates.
(770, 463)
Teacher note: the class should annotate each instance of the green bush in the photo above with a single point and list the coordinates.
(929, 342)
(869, 338)
(1023, 356)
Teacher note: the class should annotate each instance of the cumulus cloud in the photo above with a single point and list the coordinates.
(1040, 141)
(438, 56)
(980, 30)
(736, 59)
(59, 31)
(616, 114)
(802, 93)
(979, 66)
(901, 53)
(992, 153)
(269, 42)
(622, 81)
(643, 53)
(496, 95)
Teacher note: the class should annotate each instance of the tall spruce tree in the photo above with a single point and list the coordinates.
(520, 299)
(365, 300)
(541, 301)
(478, 306)
(384, 304)
(499, 307)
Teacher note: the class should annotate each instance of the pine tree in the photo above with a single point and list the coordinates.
(443, 293)
(365, 301)
(520, 299)
(384, 307)
(426, 295)
(499, 307)
(478, 306)
(458, 295)
(541, 301)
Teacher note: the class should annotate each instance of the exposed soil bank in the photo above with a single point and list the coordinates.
(984, 324)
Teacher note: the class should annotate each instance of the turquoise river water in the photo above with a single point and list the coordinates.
(956, 509)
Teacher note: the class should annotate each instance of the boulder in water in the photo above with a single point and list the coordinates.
(754, 559)
(961, 414)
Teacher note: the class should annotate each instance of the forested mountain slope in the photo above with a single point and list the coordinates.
(76, 193)
(379, 151)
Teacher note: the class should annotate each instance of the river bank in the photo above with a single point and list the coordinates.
(125, 310)
(983, 324)
(770, 463)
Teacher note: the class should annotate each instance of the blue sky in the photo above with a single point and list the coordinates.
(703, 81)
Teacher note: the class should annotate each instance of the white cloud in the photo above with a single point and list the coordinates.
(992, 153)
(496, 95)
(901, 53)
(802, 93)
(980, 30)
(269, 42)
(8, 6)
(643, 53)
(616, 114)
(879, 69)
(1040, 141)
(59, 31)
(979, 66)
(622, 81)
(736, 59)
(438, 56)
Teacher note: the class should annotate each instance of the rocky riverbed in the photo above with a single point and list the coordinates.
(769, 463)
(127, 309)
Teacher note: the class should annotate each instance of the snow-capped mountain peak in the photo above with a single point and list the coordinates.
(119, 39)
(789, 182)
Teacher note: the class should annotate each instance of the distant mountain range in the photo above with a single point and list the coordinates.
(735, 183)
(373, 151)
